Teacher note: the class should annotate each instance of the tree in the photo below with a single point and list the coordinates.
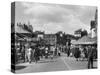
(28, 28)
(84, 33)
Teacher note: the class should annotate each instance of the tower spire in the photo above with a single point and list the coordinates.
(96, 15)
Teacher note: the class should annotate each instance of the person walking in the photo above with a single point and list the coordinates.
(29, 54)
(77, 53)
(37, 54)
(82, 54)
(86, 52)
(59, 52)
(32, 54)
(90, 57)
(53, 52)
(46, 52)
(68, 52)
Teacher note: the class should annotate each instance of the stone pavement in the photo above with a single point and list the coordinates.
(56, 64)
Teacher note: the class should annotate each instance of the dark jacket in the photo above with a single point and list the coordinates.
(91, 53)
(77, 53)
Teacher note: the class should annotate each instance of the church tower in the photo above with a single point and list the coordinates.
(94, 25)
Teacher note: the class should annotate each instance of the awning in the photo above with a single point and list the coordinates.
(85, 40)
(18, 38)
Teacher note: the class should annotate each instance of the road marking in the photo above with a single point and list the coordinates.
(66, 64)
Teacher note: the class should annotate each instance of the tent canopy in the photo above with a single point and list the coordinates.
(85, 40)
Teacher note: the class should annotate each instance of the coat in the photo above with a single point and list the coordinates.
(77, 53)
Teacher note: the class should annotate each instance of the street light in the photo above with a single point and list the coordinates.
(61, 39)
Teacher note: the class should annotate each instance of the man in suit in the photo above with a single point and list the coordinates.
(90, 56)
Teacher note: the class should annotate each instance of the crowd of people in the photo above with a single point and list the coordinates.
(36, 53)
(88, 53)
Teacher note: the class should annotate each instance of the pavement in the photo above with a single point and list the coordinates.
(57, 64)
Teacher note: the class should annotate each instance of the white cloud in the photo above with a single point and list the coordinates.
(53, 18)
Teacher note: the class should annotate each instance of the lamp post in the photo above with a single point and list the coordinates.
(61, 40)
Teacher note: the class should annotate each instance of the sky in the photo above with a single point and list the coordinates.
(52, 18)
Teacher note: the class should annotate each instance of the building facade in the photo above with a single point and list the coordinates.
(50, 39)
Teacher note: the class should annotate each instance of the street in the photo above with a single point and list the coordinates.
(57, 64)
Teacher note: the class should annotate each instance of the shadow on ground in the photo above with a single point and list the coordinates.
(19, 67)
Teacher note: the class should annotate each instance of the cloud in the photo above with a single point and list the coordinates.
(48, 28)
(54, 17)
(75, 23)
(46, 13)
